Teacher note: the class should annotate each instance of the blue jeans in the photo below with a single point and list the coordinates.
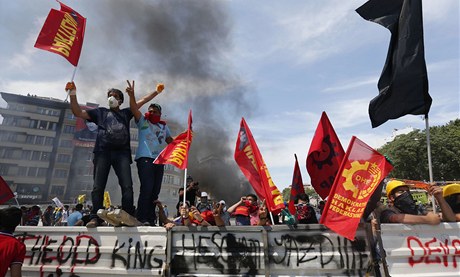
(151, 177)
(121, 163)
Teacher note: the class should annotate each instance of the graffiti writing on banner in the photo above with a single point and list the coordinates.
(218, 252)
(311, 251)
(433, 251)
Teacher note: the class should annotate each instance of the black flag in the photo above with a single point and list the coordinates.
(403, 84)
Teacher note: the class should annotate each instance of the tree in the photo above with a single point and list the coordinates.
(408, 153)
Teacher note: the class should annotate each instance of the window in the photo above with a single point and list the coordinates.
(45, 156)
(49, 141)
(32, 171)
(42, 172)
(69, 129)
(36, 155)
(57, 190)
(52, 126)
(26, 154)
(4, 168)
(66, 143)
(63, 158)
(22, 171)
(30, 139)
(42, 125)
(6, 153)
(33, 124)
(39, 140)
(60, 173)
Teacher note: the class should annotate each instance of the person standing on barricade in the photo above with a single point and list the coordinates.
(154, 135)
(112, 147)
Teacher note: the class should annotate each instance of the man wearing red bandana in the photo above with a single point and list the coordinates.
(153, 137)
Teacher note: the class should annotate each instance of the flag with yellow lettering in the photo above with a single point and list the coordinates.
(176, 153)
(360, 173)
(251, 163)
(63, 33)
(107, 203)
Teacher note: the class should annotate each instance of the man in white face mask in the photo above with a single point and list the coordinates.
(112, 147)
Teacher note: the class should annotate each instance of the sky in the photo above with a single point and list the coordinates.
(278, 64)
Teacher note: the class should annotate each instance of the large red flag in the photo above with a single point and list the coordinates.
(296, 187)
(176, 153)
(5, 191)
(63, 33)
(360, 173)
(324, 157)
(251, 163)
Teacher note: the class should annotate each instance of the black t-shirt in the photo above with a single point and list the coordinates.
(113, 129)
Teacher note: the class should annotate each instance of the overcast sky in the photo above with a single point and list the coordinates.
(279, 64)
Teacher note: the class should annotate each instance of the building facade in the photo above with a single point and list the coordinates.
(46, 152)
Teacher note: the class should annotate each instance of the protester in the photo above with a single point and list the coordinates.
(65, 215)
(246, 211)
(33, 217)
(12, 251)
(75, 216)
(47, 217)
(181, 198)
(192, 192)
(401, 207)
(305, 214)
(451, 193)
(220, 210)
(204, 204)
(154, 135)
(112, 147)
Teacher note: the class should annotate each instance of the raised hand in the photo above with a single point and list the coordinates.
(160, 87)
(130, 88)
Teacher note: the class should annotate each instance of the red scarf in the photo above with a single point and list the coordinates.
(154, 119)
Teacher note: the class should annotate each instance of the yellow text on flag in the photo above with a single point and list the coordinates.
(65, 35)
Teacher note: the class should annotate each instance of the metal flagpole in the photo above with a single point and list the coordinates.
(430, 166)
(71, 80)
(185, 186)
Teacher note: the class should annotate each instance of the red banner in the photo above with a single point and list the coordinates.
(296, 187)
(251, 163)
(360, 173)
(176, 153)
(63, 33)
(324, 157)
(5, 191)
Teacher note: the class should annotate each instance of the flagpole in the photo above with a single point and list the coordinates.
(185, 186)
(271, 216)
(430, 166)
(71, 80)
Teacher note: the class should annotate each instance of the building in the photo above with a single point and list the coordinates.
(46, 152)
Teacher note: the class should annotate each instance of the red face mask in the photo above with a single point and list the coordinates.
(252, 207)
(153, 118)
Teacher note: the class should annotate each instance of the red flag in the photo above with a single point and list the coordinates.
(324, 157)
(296, 187)
(176, 153)
(360, 173)
(63, 33)
(5, 191)
(251, 163)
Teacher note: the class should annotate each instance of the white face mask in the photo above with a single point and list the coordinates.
(113, 102)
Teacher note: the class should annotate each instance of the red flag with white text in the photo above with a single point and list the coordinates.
(324, 157)
(176, 153)
(296, 186)
(251, 163)
(5, 192)
(63, 33)
(361, 172)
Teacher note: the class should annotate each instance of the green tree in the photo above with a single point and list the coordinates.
(408, 153)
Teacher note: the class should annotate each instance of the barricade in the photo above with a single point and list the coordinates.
(422, 250)
(308, 250)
